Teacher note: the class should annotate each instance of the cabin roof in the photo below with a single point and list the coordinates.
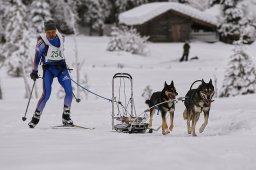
(143, 13)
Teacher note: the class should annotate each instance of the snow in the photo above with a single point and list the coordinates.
(144, 13)
(228, 142)
(214, 11)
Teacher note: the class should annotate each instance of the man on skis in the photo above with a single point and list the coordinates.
(50, 51)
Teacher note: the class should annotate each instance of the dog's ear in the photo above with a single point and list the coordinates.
(165, 84)
(172, 84)
(203, 81)
(210, 82)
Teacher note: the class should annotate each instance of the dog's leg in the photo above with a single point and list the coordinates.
(193, 126)
(165, 129)
(185, 114)
(206, 116)
(152, 112)
(188, 121)
(171, 120)
(194, 121)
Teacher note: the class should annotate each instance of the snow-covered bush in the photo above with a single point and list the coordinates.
(147, 92)
(240, 75)
(127, 39)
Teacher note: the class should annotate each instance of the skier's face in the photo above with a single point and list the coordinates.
(51, 34)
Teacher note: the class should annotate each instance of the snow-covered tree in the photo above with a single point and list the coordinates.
(127, 39)
(40, 12)
(93, 13)
(15, 50)
(235, 21)
(240, 75)
(2, 11)
(119, 6)
(60, 11)
(94, 16)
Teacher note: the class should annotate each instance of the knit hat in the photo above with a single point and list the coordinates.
(49, 25)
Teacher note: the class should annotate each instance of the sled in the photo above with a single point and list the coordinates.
(124, 117)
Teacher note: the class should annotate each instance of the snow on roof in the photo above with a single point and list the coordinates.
(146, 12)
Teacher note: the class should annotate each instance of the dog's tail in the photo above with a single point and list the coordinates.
(185, 114)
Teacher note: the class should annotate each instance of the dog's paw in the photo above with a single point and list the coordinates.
(171, 127)
(165, 132)
(194, 134)
(201, 129)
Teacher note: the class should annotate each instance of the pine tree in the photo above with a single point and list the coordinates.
(15, 50)
(94, 16)
(93, 13)
(235, 22)
(240, 76)
(120, 6)
(61, 13)
(2, 11)
(40, 12)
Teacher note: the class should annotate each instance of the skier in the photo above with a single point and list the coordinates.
(50, 51)
(186, 48)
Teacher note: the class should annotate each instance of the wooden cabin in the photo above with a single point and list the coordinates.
(171, 22)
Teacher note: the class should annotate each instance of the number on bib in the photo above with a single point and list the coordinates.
(56, 54)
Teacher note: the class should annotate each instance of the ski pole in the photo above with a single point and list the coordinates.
(77, 100)
(24, 117)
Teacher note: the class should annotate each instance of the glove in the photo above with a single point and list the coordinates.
(34, 75)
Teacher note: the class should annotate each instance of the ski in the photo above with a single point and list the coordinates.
(72, 126)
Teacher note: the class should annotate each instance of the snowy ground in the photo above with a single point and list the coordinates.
(228, 142)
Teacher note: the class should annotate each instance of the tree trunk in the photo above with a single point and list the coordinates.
(101, 31)
(27, 87)
(90, 28)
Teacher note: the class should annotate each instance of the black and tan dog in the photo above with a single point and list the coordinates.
(197, 101)
(168, 92)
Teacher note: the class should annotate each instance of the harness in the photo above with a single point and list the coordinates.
(207, 101)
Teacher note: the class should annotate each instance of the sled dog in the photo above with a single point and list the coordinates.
(197, 101)
(168, 92)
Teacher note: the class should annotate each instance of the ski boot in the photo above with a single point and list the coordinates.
(35, 119)
(66, 120)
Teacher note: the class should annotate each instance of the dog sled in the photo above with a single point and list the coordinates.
(124, 116)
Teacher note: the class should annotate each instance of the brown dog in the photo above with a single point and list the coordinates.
(168, 93)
